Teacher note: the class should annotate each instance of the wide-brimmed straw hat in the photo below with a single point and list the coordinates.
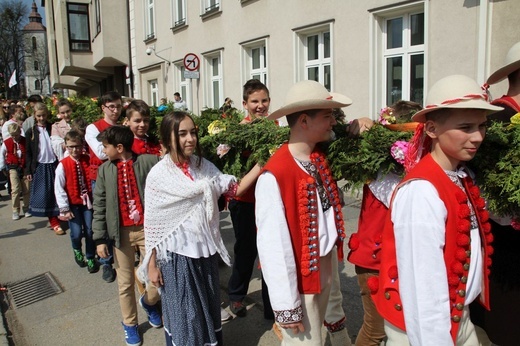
(512, 64)
(307, 95)
(455, 91)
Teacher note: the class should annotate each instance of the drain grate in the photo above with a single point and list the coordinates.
(32, 290)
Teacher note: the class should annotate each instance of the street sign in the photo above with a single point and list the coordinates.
(191, 62)
(192, 74)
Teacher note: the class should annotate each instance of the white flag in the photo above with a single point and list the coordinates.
(12, 80)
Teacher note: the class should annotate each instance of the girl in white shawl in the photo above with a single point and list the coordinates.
(181, 224)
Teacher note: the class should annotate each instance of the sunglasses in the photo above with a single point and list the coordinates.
(5, 107)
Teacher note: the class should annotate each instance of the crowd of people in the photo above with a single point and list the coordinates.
(433, 266)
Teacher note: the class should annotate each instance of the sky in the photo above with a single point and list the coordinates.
(41, 11)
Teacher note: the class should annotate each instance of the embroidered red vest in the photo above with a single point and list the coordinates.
(11, 157)
(143, 146)
(72, 181)
(457, 254)
(128, 193)
(365, 244)
(298, 192)
(95, 162)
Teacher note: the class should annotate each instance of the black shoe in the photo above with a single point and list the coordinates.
(92, 265)
(109, 274)
(238, 308)
(79, 258)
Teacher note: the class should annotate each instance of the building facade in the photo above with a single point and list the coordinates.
(374, 51)
(36, 58)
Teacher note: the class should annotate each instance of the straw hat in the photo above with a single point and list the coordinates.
(512, 64)
(455, 91)
(306, 95)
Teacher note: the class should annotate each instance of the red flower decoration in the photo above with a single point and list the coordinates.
(480, 203)
(353, 243)
(464, 226)
(486, 227)
(489, 238)
(373, 284)
(463, 239)
(457, 268)
(392, 272)
(484, 216)
(461, 197)
(464, 211)
(460, 254)
(490, 250)
(453, 280)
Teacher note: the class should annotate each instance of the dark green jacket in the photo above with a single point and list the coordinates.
(105, 225)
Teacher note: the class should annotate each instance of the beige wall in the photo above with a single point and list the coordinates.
(456, 35)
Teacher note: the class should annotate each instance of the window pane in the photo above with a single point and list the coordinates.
(214, 63)
(215, 94)
(326, 45)
(417, 29)
(394, 30)
(182, 69)
(417, 78)
(255, 57)
(326, 77)
(394, 76)
(78, 26)
(183, 92)
(312, 47)
(313, 74)
(256, 76)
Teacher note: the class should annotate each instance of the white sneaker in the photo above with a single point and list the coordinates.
(224, 315)
(16, 216)
(27, 214)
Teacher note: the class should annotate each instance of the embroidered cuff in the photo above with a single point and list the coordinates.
(289, 316)
(64, 210)
(337, 326)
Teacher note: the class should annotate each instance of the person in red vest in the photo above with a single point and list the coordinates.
(111, 105)
(138, 119)
(502, 321)
(299, 217)
(12, 158)
(436, 240)
(73, 191)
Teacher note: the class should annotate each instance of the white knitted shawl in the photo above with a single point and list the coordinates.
(172, 198)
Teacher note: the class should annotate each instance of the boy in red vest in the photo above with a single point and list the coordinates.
(436, 241)
(73, 190)
(111, 105)
(138, 120)
(299, 218)
(12, 158)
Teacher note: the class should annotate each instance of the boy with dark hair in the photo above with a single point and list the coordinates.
(118, 217)
(111, 105)
(73, 190)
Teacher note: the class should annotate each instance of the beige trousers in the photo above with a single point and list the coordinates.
(20, 188)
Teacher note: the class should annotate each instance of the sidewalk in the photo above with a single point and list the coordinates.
(87, 311)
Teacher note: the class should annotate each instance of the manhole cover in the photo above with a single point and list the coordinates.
(32, 290)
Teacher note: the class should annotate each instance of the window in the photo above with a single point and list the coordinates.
(34, 43)
(255, 61)
(179, 12)
(37, 85)
(79, 35)
(97, 8)
(403, 58)
(315, 55)
(210, 6)
(150, 19)
(36, 66)
(154, 92)
(213, 68)
(182, 85)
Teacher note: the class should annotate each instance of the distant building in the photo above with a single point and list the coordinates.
(36, 58)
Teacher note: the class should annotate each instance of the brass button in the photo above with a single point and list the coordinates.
(398, 307)
(459, 306)
(466, 266)
(462, 293)
(387, 295)
(468, 253)
(455, 318)
(464, 279)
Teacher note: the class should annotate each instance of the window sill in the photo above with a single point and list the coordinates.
(179, 27)
(150, 39)
(210, 13)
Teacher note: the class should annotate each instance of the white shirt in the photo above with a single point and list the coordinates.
(181, 104)
(59, 187)
(45, 153)
(419, 217)
(274, 242)
(96, 146)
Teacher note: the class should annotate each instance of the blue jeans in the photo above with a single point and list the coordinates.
(110, 259)
(81, 227)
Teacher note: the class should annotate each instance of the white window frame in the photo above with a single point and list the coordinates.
(303, 64)
(154, 92)
(210, 79)
(379, 53)
(149, 10)
(209, 6)
(182, 85)
(248, 72)
(178, 17)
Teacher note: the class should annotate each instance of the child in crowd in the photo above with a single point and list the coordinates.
(118, 218)
(40, 168)
(60, 128)
(12, 158)
(436, 240)
(73, 192)
(138, 119)
(183, 240)
(111, 106)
